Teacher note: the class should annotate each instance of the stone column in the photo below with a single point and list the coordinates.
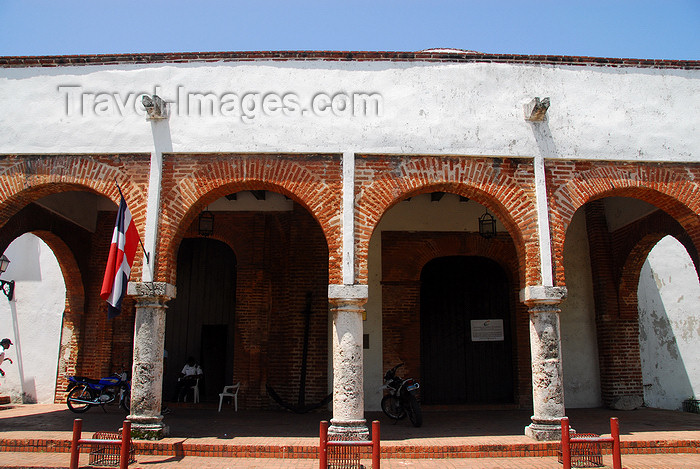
(147, 369)
(545, 349)
(348, 422)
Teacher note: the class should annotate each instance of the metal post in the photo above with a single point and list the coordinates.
(323, 449)
(615, 433)
(566, 444)
(375, 445)
(75, 444)
(125, 446)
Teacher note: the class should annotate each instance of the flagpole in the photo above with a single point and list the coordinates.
(140, 242)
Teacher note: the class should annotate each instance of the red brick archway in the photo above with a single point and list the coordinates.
(27, 178)
(670, 187)
(383, 181)
(190, 182)
(616, 257)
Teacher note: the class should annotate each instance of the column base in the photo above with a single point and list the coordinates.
(545, 430)
(348, 430)
(148, 428)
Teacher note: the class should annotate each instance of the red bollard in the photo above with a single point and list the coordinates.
(75, 444)
(375, 445)
(615, 434)
(565, 443)
(125, 446)
(323, 449)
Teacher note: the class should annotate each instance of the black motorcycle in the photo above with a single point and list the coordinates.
(402, 398)
(84, 393)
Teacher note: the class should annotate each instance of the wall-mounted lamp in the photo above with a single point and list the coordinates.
(206, 223)
(8, 288)
(487, 225)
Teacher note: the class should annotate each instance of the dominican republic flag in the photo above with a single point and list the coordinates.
(125, 240)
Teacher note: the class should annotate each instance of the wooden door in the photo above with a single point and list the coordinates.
(464, 303)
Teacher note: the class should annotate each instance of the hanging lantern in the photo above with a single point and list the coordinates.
(487, 225)
(206, 223)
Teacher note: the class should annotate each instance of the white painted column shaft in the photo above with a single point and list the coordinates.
(348, 218)
(543, 222)
(162, 142)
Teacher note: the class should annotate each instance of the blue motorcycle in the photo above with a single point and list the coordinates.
(84, 393)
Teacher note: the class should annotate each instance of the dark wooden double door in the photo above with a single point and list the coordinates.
(456, 367)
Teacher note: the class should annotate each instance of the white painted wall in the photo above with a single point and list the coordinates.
(578, 330)
(32, 320)
(437, 108)
(669, 326)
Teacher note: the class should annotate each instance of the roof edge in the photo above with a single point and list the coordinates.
(430, 55)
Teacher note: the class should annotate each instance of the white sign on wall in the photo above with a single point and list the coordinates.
(487, 330)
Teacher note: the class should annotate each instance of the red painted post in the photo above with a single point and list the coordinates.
(615, 433)
(125, 446)
(375, 445)
(565, 443)
(323, 449)
(75, 445)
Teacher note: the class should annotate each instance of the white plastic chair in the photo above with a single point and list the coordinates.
(230, 391)
(195, 392)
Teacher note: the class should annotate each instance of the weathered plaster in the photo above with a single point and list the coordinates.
(669, 326)
(32, 320)
(418, 98)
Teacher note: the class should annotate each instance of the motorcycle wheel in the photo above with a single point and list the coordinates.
(392, 407)
(81, 392)
(414, 411)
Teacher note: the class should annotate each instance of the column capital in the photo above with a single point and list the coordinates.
(163, 290)
(357, 292)
(542, 295)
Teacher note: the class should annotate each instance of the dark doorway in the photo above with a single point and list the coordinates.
(466, 345)
(214, 338)
(200, 320)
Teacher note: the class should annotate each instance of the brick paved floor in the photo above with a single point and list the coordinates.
(632, 461)
(202, 424)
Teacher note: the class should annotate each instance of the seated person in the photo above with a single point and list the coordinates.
(189, 375)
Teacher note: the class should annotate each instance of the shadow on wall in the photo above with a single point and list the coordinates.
(39, 299)
(669, 326)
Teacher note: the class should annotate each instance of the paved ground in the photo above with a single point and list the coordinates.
(202, 424)
(635, 461)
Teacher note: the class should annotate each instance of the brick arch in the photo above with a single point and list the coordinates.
(190, 182)
(75, 290)
(409, 268)
(493, 182)
(27, 178)
(631, 271)
(671, 188)
(71, 326)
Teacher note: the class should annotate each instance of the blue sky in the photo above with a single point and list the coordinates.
(615, 28)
